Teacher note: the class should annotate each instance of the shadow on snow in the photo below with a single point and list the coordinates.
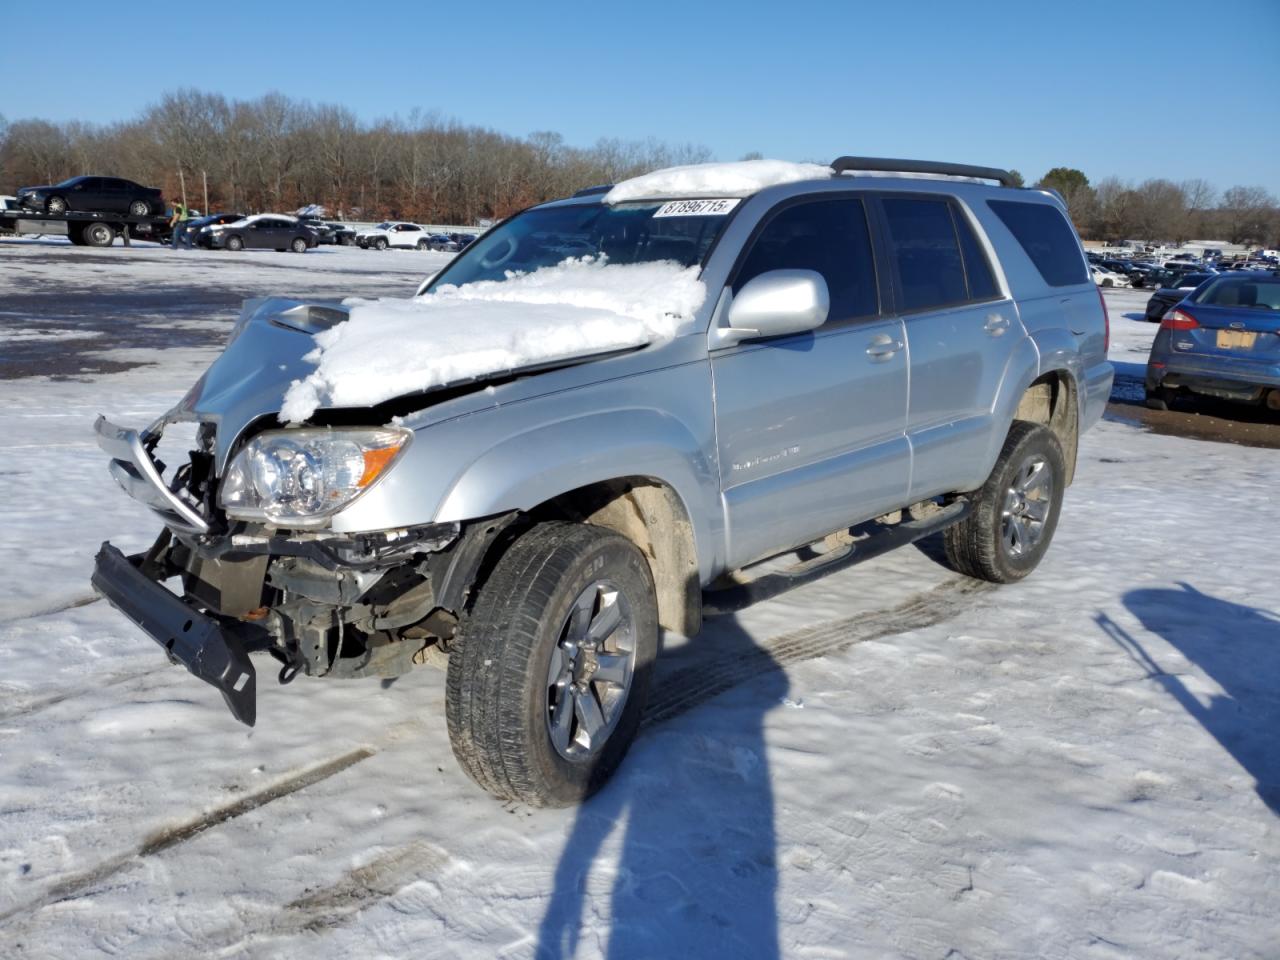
(696, 873)
(1239, 648)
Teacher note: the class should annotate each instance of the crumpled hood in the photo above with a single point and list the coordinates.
(263, 356)
(266, 353)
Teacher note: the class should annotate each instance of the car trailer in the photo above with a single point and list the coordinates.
(86, 229)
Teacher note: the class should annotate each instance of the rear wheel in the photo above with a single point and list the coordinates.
(234, 243)
(548, 679)
(422, 245)
(1015, 512)
(99, 235)
(139, 208)
(56, 205)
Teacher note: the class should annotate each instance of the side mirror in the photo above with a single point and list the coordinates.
(775, 304)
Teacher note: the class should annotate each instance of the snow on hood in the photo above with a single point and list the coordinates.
(739, 179)
(389, 348)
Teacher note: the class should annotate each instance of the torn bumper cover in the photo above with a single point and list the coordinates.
(209, 650)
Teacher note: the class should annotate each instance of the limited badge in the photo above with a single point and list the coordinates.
(697, 208)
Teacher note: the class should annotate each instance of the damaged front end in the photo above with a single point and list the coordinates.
(323, 604)
(246, 544)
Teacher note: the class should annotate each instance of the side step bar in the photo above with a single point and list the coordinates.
(732, 599)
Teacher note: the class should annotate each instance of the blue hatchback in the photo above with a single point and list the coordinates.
(1221, 340)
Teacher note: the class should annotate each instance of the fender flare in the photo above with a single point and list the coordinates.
(531, 468)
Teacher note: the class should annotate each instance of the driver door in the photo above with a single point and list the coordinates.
(811, 427)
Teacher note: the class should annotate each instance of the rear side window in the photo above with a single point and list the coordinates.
(925, 252)
(829, 237)
(977, 271)
(1047, 238)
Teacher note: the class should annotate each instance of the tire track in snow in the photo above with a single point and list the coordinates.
(712, 675)
(38, 703)
(81, 601)
(164, 839)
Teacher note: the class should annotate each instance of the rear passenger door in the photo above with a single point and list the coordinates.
(961, 333)
(810, 426)
(114, 195)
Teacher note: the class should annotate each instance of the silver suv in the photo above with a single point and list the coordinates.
(883, 355)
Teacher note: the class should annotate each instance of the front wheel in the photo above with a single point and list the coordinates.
(56, 205)
(548, 679)
(139, 208)
(1015, 512)
(234, 243)
(299, 245)
(380, 244)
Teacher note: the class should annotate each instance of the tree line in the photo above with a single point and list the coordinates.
(276, 153)
(1158, 209)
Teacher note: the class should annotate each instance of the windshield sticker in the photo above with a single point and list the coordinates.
(696, 208)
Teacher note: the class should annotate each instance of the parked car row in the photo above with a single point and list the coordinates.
(96, 195)
(410, 236)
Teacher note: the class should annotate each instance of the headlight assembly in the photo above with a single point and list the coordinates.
(299, 478)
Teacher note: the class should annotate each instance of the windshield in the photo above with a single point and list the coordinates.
(1264, 292)
(70, 183)
(546, 236)
(383, 226)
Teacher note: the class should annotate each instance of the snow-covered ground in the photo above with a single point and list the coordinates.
(890, 762)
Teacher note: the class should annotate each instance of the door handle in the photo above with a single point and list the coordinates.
(996, 324)
(882, 347)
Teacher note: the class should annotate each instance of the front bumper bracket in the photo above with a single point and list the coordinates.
(210, 651)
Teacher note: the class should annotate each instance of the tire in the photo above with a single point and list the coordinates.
(234, 243)
(380, 243)
(139, 208)
(1161, 398)
(56, 205)
(422, 245)
(1108, 283)
(99, 235)
(502, 701)
(1002, 540)
(299, 245)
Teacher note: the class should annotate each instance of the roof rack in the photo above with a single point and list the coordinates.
(1004, 177)
(592, 191)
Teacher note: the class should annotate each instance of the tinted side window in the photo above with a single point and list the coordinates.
(1047, 238)
(829, 237)
(977, 271)
(925, 252)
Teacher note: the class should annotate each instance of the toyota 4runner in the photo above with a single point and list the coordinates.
(885, 348)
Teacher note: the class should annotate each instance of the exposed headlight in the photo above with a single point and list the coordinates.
(299, 477)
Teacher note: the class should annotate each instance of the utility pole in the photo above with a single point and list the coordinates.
(204, 175)
(182, 182)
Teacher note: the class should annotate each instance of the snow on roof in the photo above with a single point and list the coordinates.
(389, 348)
(739, 179)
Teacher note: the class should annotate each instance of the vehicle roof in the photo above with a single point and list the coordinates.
(908, 183)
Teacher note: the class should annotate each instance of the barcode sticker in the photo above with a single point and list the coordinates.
(697, 208)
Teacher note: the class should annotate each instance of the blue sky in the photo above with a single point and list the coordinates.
(1173, 90)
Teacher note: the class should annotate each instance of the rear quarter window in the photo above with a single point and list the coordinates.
(1047, 238)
